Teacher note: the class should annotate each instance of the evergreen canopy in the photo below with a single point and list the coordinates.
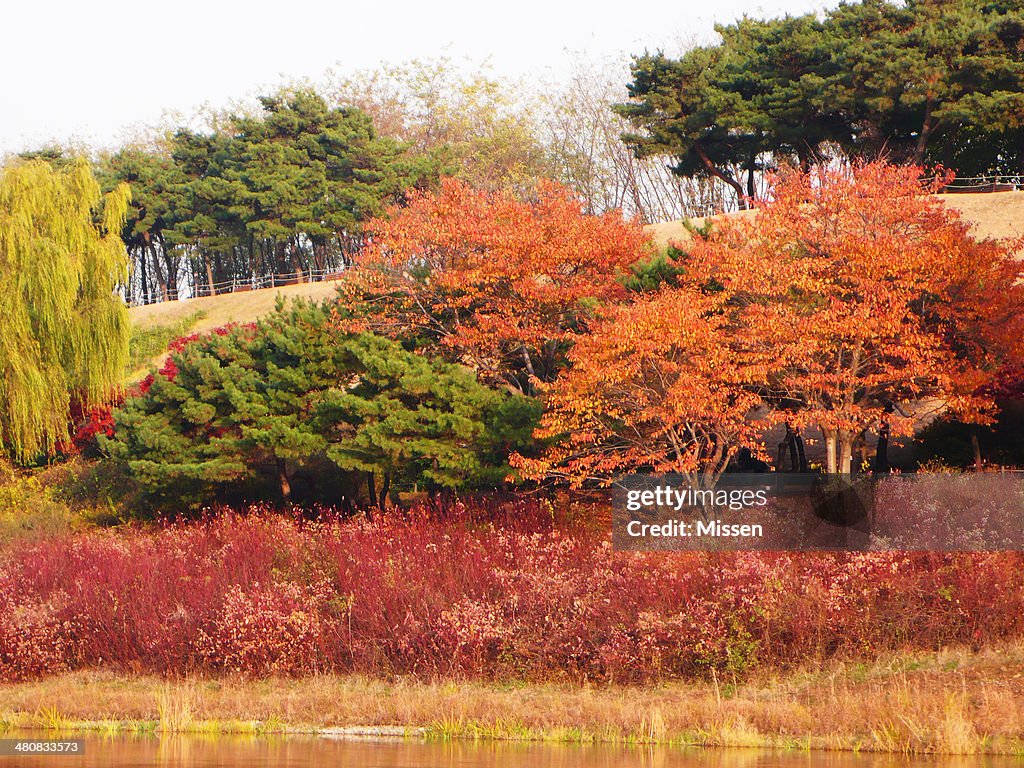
(284, 190)
(929, 81)
(290, 391)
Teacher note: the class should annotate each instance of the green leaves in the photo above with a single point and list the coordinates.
(291, 393)
(872, 77)
(287, 190)
(65, 330)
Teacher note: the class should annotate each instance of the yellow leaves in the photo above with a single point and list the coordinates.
(65, 328)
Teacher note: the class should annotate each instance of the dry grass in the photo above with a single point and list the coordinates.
(227, 308)
(995, 214)
(952, 702)
(211, 312)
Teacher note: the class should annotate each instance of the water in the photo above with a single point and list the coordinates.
(306, 752)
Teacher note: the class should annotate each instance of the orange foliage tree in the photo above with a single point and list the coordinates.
(871, 292)
(494, 282)
(656, 386)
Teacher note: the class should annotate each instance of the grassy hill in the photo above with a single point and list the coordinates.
(226, 308)
(154, 325)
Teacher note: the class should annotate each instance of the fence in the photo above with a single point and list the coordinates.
(994, 183)
(235, 285)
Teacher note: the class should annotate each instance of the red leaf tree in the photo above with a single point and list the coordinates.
(872, 293)
(492, 281)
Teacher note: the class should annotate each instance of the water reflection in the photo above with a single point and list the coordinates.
(303, 752)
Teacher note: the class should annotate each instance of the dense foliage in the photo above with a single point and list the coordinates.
(869, 293)
(289, 394)
(927, 81)
(493, 594)
(489, 280)
(284, 191)
(65, 330)
(850, 293)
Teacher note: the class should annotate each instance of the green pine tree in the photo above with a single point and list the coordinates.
(289, 392)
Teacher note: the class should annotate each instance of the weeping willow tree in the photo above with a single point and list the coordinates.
(63, 328)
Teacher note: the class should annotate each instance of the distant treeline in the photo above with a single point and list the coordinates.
(288, 187)
(925, 81)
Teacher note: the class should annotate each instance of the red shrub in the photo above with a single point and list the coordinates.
(278, 628)
(493, 593)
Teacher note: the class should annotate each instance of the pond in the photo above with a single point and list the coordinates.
(309, 751)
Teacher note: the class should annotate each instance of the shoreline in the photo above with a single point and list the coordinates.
(954, 701)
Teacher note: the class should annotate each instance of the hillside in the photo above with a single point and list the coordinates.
(154, 325)
(226, 308)
(995, 214)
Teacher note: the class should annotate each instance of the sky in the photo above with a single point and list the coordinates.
(93, 72)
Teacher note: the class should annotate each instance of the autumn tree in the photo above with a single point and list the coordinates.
(656, 386)
(871, 293)
(497, 283)
(65, 329)
(483, 129)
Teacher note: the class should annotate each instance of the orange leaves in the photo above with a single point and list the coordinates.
(852, 290)
(653, 386)
(882, 295)
(498, 282)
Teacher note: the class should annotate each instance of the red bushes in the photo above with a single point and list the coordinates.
(507, 597)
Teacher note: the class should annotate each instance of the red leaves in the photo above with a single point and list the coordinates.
(491, 279)
(259, 594)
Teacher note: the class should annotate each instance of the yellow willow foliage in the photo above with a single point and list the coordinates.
(63, 328)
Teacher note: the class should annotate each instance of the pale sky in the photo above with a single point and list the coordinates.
(92, 71)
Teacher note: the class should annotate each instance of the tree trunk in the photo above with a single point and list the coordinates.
(831, 450)
(922, 137)
(845, 452)
(209, 275)
(385, 487)
(882, 449)
(787, 442)
(144, 277)
(160, 280)
(297, 266)
(282, 477)
(801, 454)
(170, 267)
(371, 488)
(979, 465)
(718, 174)
(881, 463)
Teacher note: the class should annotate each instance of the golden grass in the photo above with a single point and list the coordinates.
(227, 308)
(208, 312)
(952, 702)
(994, 214)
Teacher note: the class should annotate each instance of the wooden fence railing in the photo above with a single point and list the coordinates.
(237, 285)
